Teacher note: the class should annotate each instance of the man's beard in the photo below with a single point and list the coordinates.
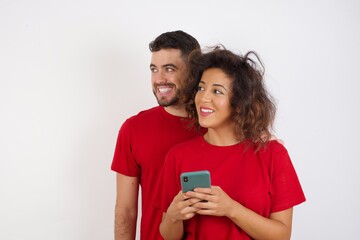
(168, 102)
(165, 101)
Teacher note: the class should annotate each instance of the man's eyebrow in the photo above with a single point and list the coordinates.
(165, 65)
(170, 65)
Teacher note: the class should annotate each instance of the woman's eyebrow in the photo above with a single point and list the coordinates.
(214, 84)
(219, 85)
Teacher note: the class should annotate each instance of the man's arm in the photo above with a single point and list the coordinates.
(127, 189)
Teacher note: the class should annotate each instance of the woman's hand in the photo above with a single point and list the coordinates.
(213, 201)
(182, 207)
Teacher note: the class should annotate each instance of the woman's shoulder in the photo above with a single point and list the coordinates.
(273, 150)
(275, 145)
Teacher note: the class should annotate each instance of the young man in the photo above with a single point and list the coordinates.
(144, 139)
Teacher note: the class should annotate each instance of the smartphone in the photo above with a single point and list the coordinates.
(191, 180)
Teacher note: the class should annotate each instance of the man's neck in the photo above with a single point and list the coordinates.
(176, 110)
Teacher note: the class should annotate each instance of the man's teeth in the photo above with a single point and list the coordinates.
(164, 89)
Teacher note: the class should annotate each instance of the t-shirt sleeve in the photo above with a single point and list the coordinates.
(123, 160)
(286, 188)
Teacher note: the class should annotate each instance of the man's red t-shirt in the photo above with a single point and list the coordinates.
(142, 144)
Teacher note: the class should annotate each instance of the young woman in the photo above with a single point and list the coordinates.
(254, 184)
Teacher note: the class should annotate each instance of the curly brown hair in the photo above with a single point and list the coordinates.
(253, 107)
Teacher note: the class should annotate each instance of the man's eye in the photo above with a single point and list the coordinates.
(153, 70)
(169, 69)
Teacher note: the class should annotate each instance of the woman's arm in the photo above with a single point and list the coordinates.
(180, 209)
(277, 226)
(171, 228)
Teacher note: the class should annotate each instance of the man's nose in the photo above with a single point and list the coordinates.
(160, 77)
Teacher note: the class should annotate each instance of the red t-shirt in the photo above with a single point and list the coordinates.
(264, 181)
(142, 144)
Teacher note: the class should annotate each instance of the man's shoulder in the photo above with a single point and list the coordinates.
(145, 114)
(187, 144)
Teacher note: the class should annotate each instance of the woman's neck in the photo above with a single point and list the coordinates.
(221, 138)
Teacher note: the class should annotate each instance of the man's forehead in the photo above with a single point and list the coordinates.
(169, 51)
(166, 56)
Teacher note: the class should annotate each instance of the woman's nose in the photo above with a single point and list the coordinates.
(205, 96)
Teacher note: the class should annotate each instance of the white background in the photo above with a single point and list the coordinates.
(72, 71)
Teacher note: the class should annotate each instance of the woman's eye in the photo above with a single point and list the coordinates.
(217, 92)
(200, 88)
